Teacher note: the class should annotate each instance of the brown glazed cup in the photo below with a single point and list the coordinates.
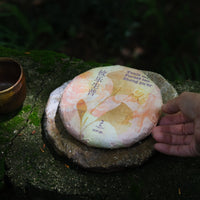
(12, 85)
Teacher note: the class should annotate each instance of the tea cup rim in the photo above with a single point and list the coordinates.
(18, 80)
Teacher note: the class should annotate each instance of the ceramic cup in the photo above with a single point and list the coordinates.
(12, 85)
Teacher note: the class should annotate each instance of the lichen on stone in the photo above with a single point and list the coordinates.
(186, 86)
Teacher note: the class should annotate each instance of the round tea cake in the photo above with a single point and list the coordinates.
(110, 107)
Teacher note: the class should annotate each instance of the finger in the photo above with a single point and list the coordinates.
(189, 104)
(197, 134)
(173, 139)
(171, 106)
(177, 129)
(176, 150)
(176, 118)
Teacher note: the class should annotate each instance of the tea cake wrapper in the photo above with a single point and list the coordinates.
(110, 107)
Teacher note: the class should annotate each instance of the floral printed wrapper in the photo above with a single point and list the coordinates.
(110, 107)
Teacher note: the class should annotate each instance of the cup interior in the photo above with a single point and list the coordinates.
(10, 72)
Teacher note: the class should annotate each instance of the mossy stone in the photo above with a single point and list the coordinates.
(36, 172)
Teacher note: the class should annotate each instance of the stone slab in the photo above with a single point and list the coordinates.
(102, 160)
(36, 172)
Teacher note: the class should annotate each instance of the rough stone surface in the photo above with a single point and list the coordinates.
(103, 160)
(36, 172)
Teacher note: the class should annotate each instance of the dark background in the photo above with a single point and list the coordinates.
(161, 36)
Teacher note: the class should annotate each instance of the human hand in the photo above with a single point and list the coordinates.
(178, 132)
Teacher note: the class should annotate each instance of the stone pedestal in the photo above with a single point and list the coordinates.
(98, 159)
(34, 169)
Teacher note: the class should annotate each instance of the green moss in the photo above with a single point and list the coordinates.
(12, 124)
(2, 172)
(9, 123)
(7, 52)
(47, 59)
(26, 109)
(34, 118)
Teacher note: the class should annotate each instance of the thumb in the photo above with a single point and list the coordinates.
(171, 106)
